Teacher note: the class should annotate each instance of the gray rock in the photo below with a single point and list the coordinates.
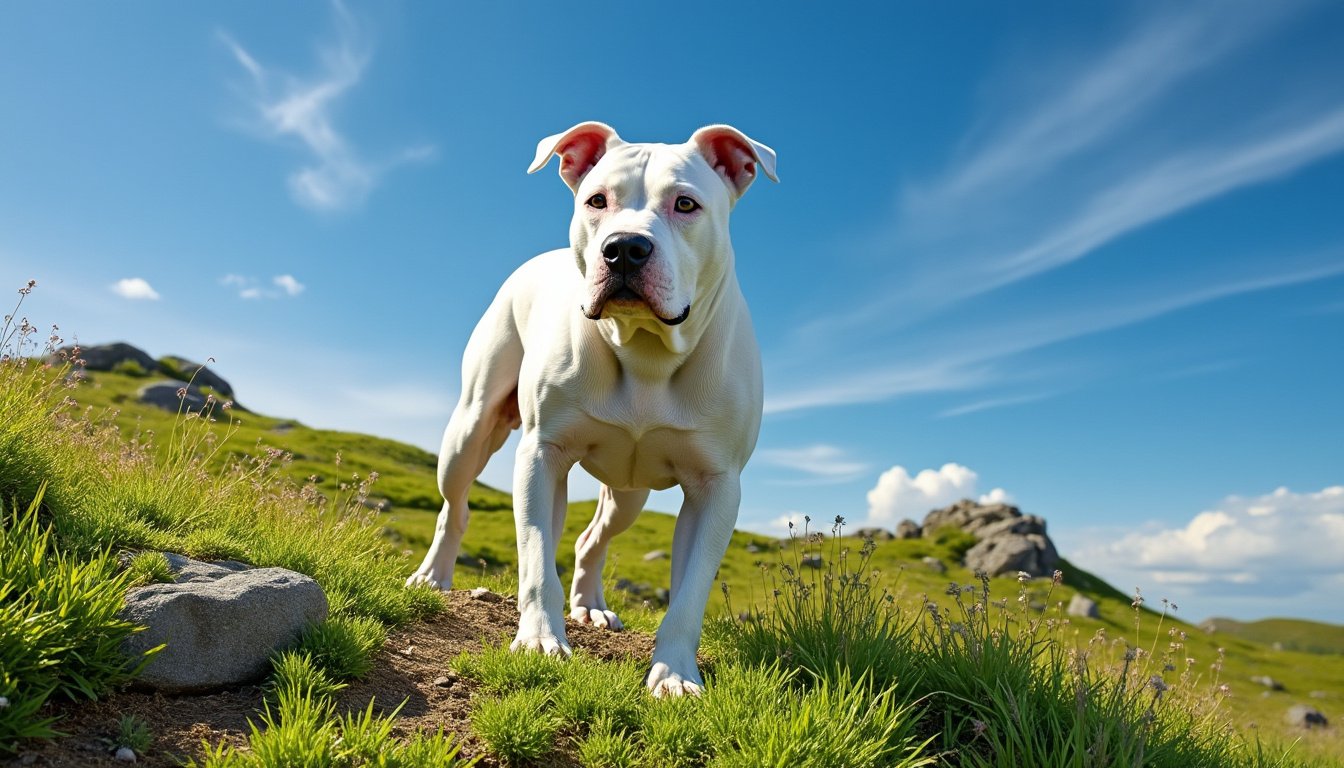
(1007, 554)
(968, 516)
(1303, 716)
(125, 754)
(105, 357)
(1025, 525)
(188, 571)
(876, 534)
(813, 560)
(164, 394)
(934, 564)
(197, 373)
(1268, 682)
(754, 548)
(656, 554)
(1083, 606)
(1319, 695)
(908, 529)
(663, 595)
(219, 631)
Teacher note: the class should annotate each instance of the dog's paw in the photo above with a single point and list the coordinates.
(664, 683)
(432, 579)
(598, 617)
(549, 645)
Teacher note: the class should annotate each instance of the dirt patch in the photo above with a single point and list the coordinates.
(413, 659)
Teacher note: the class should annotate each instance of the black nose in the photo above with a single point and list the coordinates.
(626, 252)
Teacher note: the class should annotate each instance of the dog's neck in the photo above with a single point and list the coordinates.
(647, 346)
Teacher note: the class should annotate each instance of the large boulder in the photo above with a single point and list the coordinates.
(221, 623)
(908, 529)
(876, 534)
(169, 396)
(105, 357)
(1007, 540)
(1008, 554)
(197, 373)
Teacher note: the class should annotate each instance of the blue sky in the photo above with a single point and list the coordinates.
(1086, 257)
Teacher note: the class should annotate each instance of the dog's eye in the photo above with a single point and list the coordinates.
(685, 204)
(598, 201)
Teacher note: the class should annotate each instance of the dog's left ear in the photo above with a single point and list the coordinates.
(734, 155)
(579, 149)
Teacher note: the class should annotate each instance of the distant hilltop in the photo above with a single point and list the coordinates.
(199, 381)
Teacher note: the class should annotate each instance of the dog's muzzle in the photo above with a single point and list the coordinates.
(625, 254)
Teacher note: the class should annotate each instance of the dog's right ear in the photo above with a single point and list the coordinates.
(579, 149)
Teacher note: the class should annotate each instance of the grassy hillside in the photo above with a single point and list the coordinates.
(1286, 634)
(406, 482)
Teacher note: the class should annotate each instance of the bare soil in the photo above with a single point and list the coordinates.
(412, 660)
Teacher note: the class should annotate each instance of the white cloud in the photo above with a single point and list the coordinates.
(135, 288)
(288, 284)
(1245, 556)
(821, 463)
(289, 107)
(898, 495)
(781, 525)
(251, 288)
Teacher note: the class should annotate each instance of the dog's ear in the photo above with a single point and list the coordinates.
(579, 149)
(734, 155)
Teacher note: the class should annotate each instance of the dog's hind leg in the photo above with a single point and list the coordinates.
(616, 510)
(485, 414)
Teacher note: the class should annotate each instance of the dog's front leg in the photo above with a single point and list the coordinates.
(539, 479)
(704, 529)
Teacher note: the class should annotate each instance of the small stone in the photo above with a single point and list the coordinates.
(4, 703)
(1268, 682)
(1083, 606)
(663, 595)
(125, 754)
(444, 681)
(407, 651)
(479, 593)
(934, 564)
(754, 548)
(813, 560)
(1303, 716)
(656, 554)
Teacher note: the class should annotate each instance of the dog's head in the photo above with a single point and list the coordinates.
(650, 227)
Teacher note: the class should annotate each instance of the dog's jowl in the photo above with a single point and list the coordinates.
(630, 353)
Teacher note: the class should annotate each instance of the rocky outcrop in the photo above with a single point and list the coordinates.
(876, 534)
(220, 623)
(1008, 541)
(107, 357)
(172, 396)
(198, 374)
(908, 529)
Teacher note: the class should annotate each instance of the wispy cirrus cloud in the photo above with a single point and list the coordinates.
(1047, 181)
(976, 357)
(251, 288)
(819, 463)
(287, 107)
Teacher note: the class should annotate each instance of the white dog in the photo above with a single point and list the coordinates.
(632, 354)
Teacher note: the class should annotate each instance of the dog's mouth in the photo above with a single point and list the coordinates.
(620, 294)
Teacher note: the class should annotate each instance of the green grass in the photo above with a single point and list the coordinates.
(1286, 634)
(133, 733)
(75, 491)
(299, 728)
(875, 659)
